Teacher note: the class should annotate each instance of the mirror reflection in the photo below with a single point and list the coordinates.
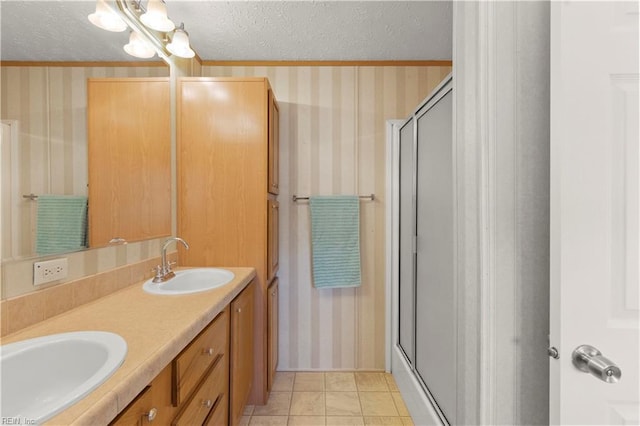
(44, 151)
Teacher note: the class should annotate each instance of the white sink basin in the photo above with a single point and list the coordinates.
(191, 281)
(43, 376)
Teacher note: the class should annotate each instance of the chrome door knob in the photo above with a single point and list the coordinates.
(590, 360)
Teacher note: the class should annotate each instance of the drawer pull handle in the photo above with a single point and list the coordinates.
(208, 351)
(151, 415)
(208, 403)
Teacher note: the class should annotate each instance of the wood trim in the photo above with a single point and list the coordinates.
(82, 64)
(211, 63)
(430, 63)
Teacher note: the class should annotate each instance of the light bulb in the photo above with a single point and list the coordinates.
(156, 17)
(138, 47)
(104, 17)
(179, 45)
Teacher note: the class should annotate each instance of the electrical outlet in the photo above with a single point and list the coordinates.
(49, 270)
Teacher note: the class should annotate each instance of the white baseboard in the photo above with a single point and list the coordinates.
(417, 402)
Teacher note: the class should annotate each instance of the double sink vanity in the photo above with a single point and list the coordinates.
(174, 352)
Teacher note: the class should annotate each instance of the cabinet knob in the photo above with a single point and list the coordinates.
(151, 415)
(239, 310)
(207, 351)
(207, 403)
(273, 293)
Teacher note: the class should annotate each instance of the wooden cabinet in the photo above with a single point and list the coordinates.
(129, 144)
(272, 332)
(194, 388)
(242, 351)
(273, 214)
(152, 406)
(274, 145)
(227, 164)
(140, 412)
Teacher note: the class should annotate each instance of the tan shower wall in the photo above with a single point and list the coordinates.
(332, 141)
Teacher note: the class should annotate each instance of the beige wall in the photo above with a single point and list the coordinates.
(332, 138)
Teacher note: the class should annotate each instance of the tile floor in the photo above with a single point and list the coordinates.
(331, 399)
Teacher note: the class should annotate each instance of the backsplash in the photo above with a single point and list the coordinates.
(332, 141)
(100, 275)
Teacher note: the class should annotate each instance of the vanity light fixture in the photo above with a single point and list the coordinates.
(156, 17)
(152, 31)
(104, 17)
(138, 46)
(179, 45)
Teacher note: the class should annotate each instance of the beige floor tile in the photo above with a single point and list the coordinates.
(344, 421)
(244, 421)
(407, 421)
(371, 382)
(343, 404)
(306, 421)
(308, 382)
(384, 420)
(402, 409)
(268, 421)
(377, 404)
(307, 404)
(283, 381)
(343, 382)
(248, 410)
(391, 382)
(277, 405)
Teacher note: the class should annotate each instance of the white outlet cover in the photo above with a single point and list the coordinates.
(50, 270)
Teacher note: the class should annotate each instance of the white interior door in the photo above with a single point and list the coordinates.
(595, 189)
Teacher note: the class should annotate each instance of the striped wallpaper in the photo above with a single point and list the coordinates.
(332, 141)
(332, 136)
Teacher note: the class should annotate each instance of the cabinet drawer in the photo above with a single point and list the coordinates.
(208, 398)
(137, 413)
(219, 415)
(195, 359)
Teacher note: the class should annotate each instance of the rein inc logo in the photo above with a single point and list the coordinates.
(17, 421)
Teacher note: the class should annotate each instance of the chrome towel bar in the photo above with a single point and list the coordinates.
(369, 197)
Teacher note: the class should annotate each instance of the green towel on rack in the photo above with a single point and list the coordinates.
(61, 223)
(335, 241)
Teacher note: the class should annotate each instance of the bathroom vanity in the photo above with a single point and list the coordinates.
(189, 357)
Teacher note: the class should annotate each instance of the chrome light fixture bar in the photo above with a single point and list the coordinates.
(154, 38)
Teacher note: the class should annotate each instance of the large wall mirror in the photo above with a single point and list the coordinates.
(44, 110)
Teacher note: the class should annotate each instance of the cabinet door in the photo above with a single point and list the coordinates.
(151, 406)
(241, 351)
(274, 144)
(273, 217)
(129, 143)
(272, 332)
(138, 412)
(406, 335)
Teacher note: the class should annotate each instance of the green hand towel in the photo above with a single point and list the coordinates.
(335, 241)
(61, 223)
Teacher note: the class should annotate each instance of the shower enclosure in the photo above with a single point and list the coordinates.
(426, 334)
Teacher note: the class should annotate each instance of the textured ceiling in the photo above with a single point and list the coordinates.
(240, 30)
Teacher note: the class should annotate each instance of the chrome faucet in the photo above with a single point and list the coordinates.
(164, 272)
